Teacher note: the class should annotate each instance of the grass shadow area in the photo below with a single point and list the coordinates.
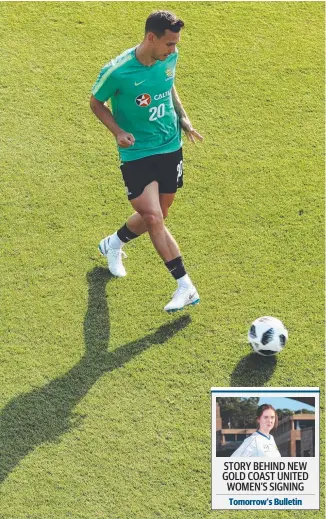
(44, 414)
(253, 371)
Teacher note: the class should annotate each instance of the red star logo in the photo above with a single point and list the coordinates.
(143, 100)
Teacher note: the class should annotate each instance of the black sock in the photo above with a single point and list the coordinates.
(125, 235)
(176, 267)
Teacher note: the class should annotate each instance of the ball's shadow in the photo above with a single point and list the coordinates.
(253, 370)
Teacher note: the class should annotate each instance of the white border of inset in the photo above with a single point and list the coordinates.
(285, 392)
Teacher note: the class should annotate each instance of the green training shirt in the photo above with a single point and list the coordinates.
(141, 100)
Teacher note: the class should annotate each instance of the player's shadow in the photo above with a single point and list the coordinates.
(253, 370)
(44, 414)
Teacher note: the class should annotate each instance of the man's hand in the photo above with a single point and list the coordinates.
(190, 132)
(124, 139)
(104, 114)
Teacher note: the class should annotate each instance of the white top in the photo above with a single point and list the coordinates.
(259, 445)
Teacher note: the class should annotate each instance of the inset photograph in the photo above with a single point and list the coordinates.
(265, 448)
(265, 427)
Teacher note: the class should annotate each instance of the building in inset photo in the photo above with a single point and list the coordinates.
(295, 435)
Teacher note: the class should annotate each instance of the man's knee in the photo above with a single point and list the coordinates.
(154, 219)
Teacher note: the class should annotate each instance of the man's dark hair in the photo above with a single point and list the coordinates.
(160, 21)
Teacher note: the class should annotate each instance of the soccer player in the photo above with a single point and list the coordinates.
(261, 443)
(146, 120)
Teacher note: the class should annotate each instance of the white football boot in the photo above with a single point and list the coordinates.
(182, 297)
(114, 257)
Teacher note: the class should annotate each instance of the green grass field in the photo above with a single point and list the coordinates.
(105, 399)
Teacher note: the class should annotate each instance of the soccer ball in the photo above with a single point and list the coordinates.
(267, 336)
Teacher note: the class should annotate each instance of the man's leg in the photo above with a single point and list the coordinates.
(111, 246)
(148, 206)
(136, 223)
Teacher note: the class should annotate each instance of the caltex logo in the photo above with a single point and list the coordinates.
(143, 100)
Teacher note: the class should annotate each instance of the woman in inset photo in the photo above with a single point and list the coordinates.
(261, 443)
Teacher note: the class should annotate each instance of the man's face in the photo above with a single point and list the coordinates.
(164, 46)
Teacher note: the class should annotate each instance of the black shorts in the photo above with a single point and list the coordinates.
(166, 169)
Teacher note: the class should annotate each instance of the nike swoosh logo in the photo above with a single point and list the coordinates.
(192, 295)
(136, 84)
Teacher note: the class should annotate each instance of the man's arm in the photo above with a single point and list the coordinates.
(186, 125)
(104, 114)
